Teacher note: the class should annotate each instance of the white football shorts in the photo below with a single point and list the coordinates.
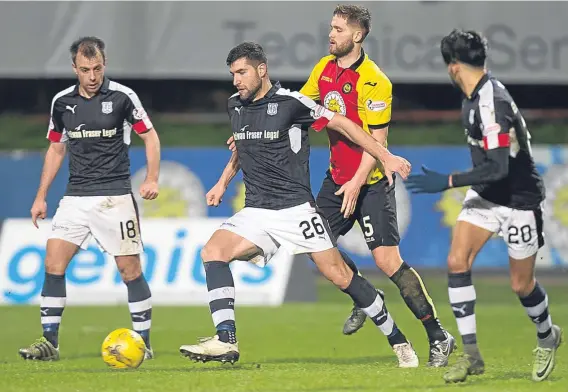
(299, 229)
(111, 220)
(522, 230)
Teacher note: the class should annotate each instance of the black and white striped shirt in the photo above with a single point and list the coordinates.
(271, 136)
(503, 168)
(97, 132)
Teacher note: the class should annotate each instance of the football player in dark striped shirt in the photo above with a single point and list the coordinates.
(505, 196)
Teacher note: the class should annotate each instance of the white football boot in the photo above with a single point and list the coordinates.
(211, 349)
(406, 355)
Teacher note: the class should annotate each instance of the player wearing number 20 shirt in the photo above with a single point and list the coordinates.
(506, 189)
(505, 197)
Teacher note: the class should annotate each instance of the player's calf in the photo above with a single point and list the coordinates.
(52, 304)
(549, 336)
(223, 247)
(223, 346)
(140, 306)
(139, 297)
(371, 302)
(357, 317)
(414, 293)
(366, 297)
(462, 300)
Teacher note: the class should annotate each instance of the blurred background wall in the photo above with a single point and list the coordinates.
(173, 55)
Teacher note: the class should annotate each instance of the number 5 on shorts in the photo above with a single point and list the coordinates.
(128, 229)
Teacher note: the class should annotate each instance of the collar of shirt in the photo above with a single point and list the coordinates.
(356, 64)
(103, 89)
(275, 87)
(478, 86)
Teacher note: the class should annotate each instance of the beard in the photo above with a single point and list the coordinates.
(342, 50)
(252, 91)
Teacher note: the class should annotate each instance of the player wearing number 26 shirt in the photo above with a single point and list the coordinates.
(505, 197)
(93, 122)
(270, 132)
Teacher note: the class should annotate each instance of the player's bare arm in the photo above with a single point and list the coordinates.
(351, 189)
(53, 160)
(391, 163)
(215, 195)
(149, 189)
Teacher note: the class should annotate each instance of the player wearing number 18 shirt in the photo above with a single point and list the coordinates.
(505, 197)
(270, 130)
(93, 122)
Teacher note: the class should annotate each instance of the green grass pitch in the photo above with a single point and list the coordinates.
(297, 347)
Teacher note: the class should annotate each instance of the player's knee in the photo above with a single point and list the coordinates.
(58, 255)
(522, 286)
(458, 262)
(339, 274)
(129, 267)
(388, 259)
(55, 265)
(213, 252)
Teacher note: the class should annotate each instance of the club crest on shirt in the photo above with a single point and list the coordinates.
(106, 107)
(347, 87)
(334, 102)
(272, 109)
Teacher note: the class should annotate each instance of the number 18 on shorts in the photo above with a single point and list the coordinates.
(112, 221)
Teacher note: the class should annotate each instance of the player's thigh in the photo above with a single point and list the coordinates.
(522, 274)
(242, 237)
(477, 222)
(115, 224)
(379, 223)
(329, 205)
(71, 222)
(225, 245)
(523, 234)
(467, 241)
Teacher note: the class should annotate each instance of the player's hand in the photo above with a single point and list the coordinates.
(215, 196)
(149, 190)
(395, 164)
(350, 191)
(429, 182)
(39, 210)
(231, 144)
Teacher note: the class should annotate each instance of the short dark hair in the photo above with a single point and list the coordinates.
(252, 51)
(468, 47)
(355, 14)
(89, 47)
